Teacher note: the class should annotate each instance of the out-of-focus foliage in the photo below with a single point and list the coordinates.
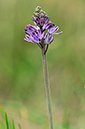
(21, 74)
(4, 121)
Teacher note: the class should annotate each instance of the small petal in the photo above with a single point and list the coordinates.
(48, 38)
(31, 28)
(34, 20)
(37, 20)
(46, 18)
(27, 32)
(41, 22)
(44, 26)
(49, 25)
(59, 33)
(27, 40)
(35, 36)
(41, 35)
(32, 39)
(53, 29)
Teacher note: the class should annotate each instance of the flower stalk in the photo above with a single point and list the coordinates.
(47, 88)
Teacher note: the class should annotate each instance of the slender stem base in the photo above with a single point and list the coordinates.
(47, 87)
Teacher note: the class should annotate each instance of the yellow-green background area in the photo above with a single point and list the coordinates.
(22, 90)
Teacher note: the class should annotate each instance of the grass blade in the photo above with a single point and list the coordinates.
(13, 126)
(6, 119)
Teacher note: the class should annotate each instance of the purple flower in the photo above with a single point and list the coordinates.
(43, 31)
(48, 38)
(33, 34)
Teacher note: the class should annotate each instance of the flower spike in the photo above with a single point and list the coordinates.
(37, 33)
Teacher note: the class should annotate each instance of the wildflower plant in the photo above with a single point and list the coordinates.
(42, 34)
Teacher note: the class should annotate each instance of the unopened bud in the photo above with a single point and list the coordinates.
(42, 12)
(36, 14)
(37, 9)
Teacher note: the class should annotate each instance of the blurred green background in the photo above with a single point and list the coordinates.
(22, 90)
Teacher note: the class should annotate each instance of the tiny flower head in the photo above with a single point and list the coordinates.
(43, 31)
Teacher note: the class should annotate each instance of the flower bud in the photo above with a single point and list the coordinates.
(36, 14)
(37, 9)
(39, 12)
(42, 12)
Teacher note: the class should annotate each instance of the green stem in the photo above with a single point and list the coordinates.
(47, 87)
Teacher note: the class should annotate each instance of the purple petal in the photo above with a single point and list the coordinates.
(35, 36)
(53, 29)
(41, 22)
(31, 39)
(46, 19)
(44, 26)
(31, 28)
(59, 33)
(37, 20)
(48, 38)
(27, 32)
(34, 20)
(27, 40)
(49, 25)
(41, 35)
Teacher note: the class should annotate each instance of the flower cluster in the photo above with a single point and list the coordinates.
(42, 33)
